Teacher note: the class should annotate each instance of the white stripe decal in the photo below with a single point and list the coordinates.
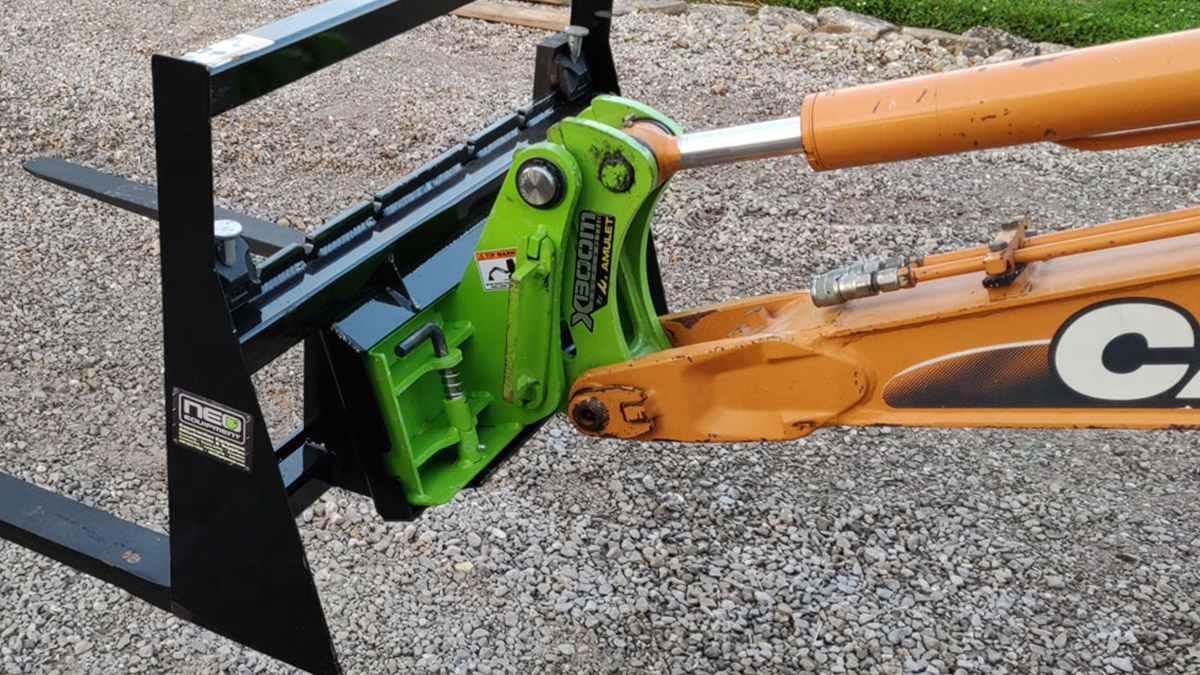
(977, 350)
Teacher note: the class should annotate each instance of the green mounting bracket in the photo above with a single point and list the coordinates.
(550, 292)
(436, 449)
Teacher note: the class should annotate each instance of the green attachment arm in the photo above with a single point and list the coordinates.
(606, 301)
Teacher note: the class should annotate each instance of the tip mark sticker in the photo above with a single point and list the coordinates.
(220, 53)
(496, 268)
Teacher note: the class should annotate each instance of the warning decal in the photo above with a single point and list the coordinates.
(223, 52)
(496, 268)
(211, 428)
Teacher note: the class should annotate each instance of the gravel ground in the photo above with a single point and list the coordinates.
(877, 550)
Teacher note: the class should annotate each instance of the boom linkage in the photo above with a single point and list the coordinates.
(1091, 336)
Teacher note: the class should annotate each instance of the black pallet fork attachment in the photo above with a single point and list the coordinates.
(234, 561)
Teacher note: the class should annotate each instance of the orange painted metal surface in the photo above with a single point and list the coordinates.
(1058, 244)
(944, 353)
(1176, 133)
(1071, 96)
(663, 144)
(1099, 328)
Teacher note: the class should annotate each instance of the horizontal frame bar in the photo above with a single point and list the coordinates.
(308, 41)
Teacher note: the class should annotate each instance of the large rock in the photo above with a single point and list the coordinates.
(1051, 48)
(659, 6)
(716, 15)
(838, 20)
(999, 39)
(786, 16)
(946, 38)
(999, 57)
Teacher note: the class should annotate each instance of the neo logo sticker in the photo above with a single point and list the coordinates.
(1129, 350)
(593, 266)
(211, 428)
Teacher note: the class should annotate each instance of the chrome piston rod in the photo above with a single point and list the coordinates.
(737, 144)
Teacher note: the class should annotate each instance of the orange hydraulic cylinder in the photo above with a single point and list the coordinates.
(1126, 86)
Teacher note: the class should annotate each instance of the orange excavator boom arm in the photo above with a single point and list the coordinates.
(1069, 329)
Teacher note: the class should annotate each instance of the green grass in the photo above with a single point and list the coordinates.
(1073, 22)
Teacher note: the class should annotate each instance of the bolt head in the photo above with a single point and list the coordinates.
(575, 31)
(590, 415)
(539, 183)
(997, 245)
(616, 173)
(225, 229)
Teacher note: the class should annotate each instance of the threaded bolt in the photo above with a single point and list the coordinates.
(226, 233)
(575, 35)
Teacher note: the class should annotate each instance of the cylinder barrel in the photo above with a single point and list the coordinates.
(1144, 83)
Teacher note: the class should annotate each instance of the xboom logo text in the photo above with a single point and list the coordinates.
(593, 266)
(1133, 349)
